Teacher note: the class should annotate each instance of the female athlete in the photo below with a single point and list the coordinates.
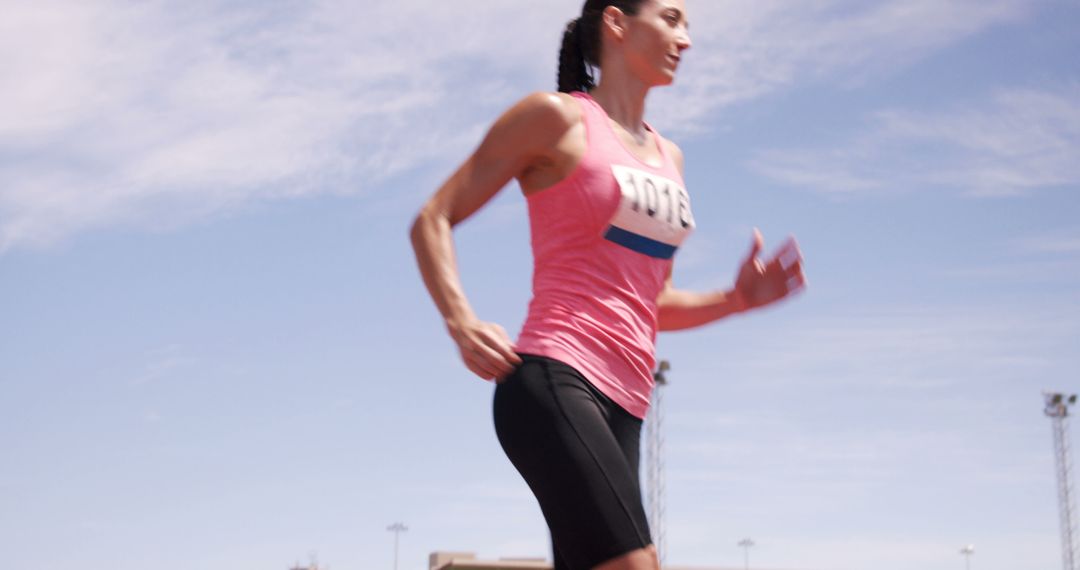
(607, 210)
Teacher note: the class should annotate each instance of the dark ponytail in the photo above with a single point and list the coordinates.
(580, 52)
(574, 74)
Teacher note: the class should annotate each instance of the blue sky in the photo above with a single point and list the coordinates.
(216, 351)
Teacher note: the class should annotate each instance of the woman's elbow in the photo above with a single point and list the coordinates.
(426, 223)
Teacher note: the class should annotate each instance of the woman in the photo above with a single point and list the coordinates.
(607, 210)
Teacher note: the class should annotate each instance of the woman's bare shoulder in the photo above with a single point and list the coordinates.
(550, 106)
(543, 116)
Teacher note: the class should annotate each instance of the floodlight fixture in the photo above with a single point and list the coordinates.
(967, 551)
(397, 528)
(661, 368)
(1057, 404)
(746, 543)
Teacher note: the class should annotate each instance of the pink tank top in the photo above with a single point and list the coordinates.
(602, 240)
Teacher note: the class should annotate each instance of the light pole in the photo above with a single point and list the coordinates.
(967, 551)
(396, 528)
(654, 460)
(1057, 408)
(746, 543)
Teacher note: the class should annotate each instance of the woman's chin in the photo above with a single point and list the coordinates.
(664, 80)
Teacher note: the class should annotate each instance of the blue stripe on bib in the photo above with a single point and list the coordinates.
(640, 243)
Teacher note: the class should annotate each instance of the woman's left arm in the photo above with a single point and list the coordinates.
(759, 283)
(679, 309)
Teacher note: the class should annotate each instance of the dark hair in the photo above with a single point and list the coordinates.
(581, 44)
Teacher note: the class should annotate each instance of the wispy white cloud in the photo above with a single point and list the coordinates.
(145, 114)
(745, 49)
(913, 348)
(1060, 242)
(1017, 142)
(151, 115)
(162, 362)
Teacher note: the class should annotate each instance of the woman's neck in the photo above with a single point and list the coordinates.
(623, 99)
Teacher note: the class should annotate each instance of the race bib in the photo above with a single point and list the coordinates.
(653, 216)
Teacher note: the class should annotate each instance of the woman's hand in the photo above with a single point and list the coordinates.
(485, 348)
(761, 282)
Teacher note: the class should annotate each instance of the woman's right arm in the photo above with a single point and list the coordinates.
(524, 136)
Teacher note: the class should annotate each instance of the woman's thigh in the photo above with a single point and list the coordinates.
(556, 430)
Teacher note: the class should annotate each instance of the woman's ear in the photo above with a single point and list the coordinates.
(614, 22)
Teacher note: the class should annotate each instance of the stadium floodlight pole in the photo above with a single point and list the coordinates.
(967, 551)
(1057, 408)
(746, 543)
(396, 528)
(654, 460)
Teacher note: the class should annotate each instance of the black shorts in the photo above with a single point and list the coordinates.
(579, 453)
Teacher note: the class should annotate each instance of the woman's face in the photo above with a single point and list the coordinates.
(655, 39)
